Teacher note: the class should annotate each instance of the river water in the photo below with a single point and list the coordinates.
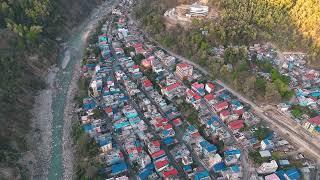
(73, 52)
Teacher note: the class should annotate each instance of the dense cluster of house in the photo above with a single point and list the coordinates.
(141, 132)
(303, 80)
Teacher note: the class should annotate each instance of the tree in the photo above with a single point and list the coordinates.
(261, 133)
(138, 58)
(272, 94)
(97, 114)
(249, 86)
(215, 69)
(261, 85)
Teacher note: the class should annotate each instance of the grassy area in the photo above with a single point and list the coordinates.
(278, 155)
(190, 113)
(256, 157)
(87, 162)
(83, 85)
(261, 133)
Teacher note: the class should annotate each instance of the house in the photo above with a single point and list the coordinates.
(221, 106)
(236, 125)
(169, 61)
(146, 63)
(105, 142)
(224, 114)
(202, 175)
(236, 105)
(118, 168)
(219, 167)
(193, 98)
(170, 173)
(292, 174)
(186, 160)
(232, 152)
(184, 71)
(197, 10)
(139, 49)
(199, 88)
(210, 87)
(207, 148)
(209, 98)
(161, 164)
(176, 122)
(272, 176)
(171, 90)
(266, 144)
(158, 154)
(265, 153)
(268, 167)
(160, 54)
(147, 85)
(212, 160)
(153, 146)
(313, 125)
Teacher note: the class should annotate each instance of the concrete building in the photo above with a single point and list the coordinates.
(197, 10)
(184, 70)
(268, 167)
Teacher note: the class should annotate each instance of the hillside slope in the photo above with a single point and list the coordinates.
(28, 47)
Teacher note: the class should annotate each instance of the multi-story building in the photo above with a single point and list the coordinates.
(184, 70)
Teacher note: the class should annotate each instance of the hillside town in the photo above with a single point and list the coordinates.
(154, 116)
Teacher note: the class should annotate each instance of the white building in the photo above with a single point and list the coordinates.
(197, 10)
(268, 167)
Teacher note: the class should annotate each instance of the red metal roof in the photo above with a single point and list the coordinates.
(224, 113)
(168, 126)
(209, 97)
(221, 105)
(161, 163)
(239, 111)
(147, 83)
(315, 120)
(108, 110)
(135, 67)
(176, 121)
(169, 173)
(158, 154)
(183, 65)
(197, 96)
(238, 124)
(173, 86)
(156, 143)
(211, 85)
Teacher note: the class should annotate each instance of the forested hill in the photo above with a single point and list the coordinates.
(289, 24)
(28, 46)
(292, 24)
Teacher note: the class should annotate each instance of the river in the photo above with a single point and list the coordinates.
(73, 52)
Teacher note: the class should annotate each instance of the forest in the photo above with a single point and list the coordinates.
(287, 24)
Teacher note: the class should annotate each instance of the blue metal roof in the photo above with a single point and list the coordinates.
(293, 174)
(168, 140)
(187, 168)
(87, 127)
(235, 168)
(147, 171)
(201, 175)
(118, 168)
(219, 167)
(207, 146)
(280, 174)
(232, 152)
